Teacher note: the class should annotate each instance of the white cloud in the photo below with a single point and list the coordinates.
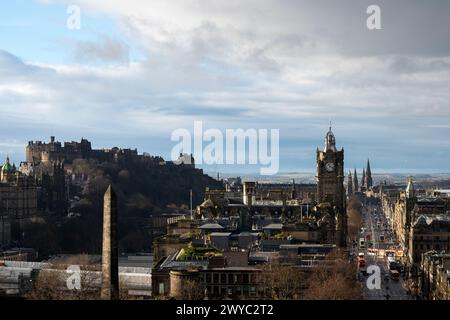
(241, 63)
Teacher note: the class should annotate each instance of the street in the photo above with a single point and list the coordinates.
(379, 243)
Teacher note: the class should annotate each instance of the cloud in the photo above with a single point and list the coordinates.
(105, 50)
(275, 64)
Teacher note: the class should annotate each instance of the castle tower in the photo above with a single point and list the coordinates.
(368, 178)
(110, 250)
(355, 182)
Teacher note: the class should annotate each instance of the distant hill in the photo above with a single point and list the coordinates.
(143, 188)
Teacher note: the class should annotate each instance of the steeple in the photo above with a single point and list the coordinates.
(355, 182)
(293, 190)
(363, 179)
(369, 181)
(410, 190)
(349, 184)
(330, 141)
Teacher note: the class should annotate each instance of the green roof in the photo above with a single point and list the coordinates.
(7, 166)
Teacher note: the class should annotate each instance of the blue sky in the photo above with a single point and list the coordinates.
(137, 70)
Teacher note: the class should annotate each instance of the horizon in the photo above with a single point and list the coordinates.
(230, 170)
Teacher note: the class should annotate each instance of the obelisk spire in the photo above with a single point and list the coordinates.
(110, 249)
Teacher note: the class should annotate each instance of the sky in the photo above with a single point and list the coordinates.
(137, 70)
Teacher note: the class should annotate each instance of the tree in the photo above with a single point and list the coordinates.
(192, 290)
(281, 282)
(51, 283)
(334, 279)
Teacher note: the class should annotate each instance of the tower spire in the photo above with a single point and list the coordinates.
(350, 184)
(355, 182)
(369, 181)
(363, 179)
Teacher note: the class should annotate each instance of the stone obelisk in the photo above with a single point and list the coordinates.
(110, 251)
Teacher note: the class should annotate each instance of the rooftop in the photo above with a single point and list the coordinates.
(273, 226)
(211, 226)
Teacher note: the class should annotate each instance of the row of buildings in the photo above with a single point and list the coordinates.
(420, 220)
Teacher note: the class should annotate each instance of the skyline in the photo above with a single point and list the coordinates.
(134, 73)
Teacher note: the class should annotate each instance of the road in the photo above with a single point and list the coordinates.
(375, 224)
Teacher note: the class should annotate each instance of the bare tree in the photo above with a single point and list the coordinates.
(334, 280)
(52, 283)
(281, 282)
(192, 290)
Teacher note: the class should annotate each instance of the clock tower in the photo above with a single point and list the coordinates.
(330, 173)
(330, 183)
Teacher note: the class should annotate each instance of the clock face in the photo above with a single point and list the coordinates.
(329, 166)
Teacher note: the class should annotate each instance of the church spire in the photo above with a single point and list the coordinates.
(355, 182)
(369, 181)
(363, 179)
(350, 184)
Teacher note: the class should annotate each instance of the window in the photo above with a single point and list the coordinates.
(161, 288)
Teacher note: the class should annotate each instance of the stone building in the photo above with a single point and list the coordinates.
(18, 193)
(204, 272)
(41, 152)
(428, 233)
(398, 204)
(434, 282)
(38, 152)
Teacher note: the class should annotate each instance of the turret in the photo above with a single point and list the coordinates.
(330, 141)
(410, 189)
